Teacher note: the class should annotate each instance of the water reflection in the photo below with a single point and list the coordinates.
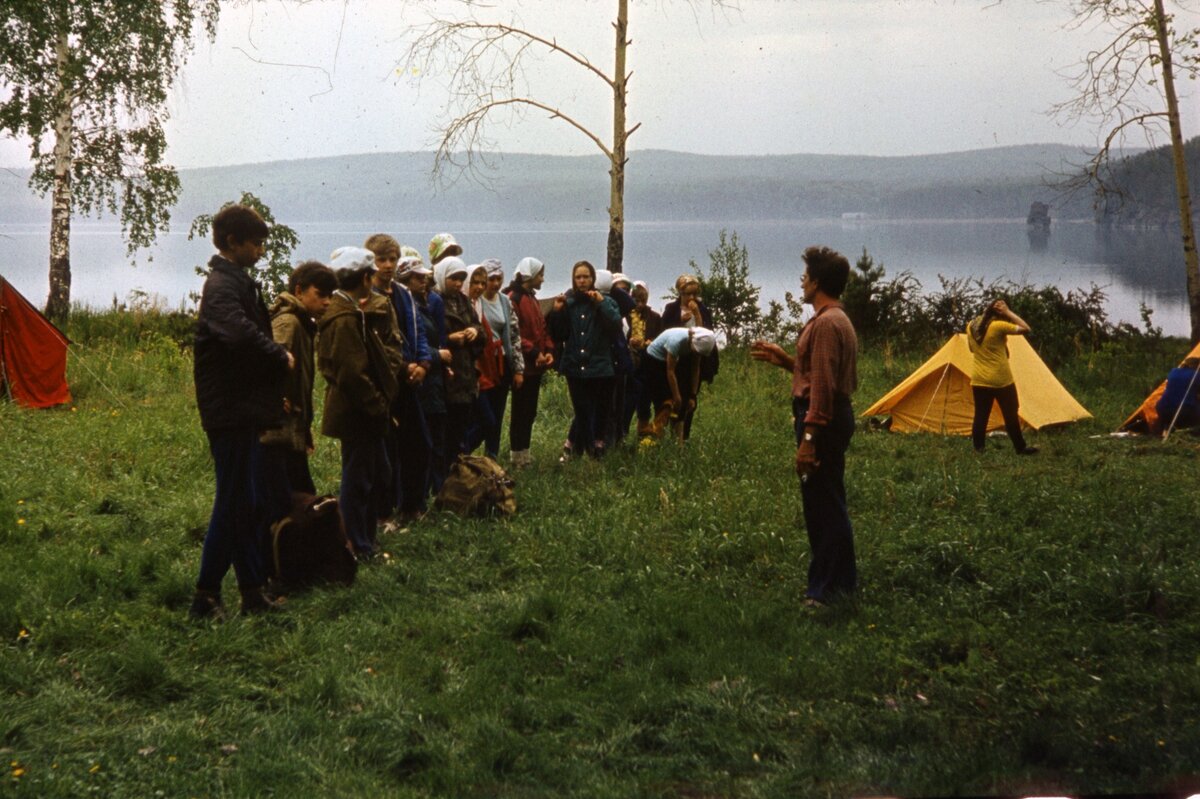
(1132, 266)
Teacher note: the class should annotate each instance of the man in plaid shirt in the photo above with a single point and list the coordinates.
(824, 375)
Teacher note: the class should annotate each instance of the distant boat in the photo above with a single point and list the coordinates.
(1039, 215)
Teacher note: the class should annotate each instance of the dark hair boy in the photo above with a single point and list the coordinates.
(239, 371)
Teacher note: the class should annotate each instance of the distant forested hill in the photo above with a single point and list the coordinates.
(1146, 193)
(661, 185)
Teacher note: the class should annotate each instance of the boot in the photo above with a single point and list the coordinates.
(521, 459)
(255, 601)
(207, 605)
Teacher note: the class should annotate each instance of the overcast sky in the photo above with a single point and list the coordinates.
(876, 77)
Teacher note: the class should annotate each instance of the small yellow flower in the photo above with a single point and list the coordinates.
(20, 521)
(23, 634)
(171, 758)
(74, 409)
(18, 772)
(95, 767)
(20, 502)
(756, 758)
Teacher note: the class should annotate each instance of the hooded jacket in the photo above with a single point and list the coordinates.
(360, 383)
(238, 368)
(294, 328)
(535, 337)
(381, 316)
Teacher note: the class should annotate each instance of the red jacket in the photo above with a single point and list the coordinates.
(535, 338)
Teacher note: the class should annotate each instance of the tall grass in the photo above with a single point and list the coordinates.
(634, 631)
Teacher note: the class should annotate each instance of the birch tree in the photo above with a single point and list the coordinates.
(86, 81)
(484, 65)
(1143, 54)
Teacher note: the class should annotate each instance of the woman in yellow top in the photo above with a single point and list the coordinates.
(991, 377)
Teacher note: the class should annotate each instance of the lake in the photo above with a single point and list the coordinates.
(1133, 267)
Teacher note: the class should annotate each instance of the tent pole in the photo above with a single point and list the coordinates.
(945, 370)
(1179, 410)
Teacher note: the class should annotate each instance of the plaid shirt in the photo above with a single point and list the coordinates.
(826, 363)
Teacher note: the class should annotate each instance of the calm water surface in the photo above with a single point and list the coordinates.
(1133, 267)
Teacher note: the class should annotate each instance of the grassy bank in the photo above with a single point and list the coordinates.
(634, 631)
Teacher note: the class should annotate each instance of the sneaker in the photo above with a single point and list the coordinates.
(521, 459)
(1028, 451)
(207, 605)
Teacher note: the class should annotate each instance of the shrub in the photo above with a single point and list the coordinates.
(271, 276)
(728, 292)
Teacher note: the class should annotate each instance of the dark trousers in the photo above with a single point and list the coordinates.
(683, 377)
(614, 433)
(299, 476)
(458, 421)
(1009, 405)
(410, 453)
(241, 509)
(832, 570)
(365, 474)
(634, 399)
(435, 423)
(524, 411)
(488, 420)
(591, 399)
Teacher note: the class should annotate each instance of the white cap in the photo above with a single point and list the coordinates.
(351, 258)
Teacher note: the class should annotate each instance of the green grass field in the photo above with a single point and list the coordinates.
(1024, 624)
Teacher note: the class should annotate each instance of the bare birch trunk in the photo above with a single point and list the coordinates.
(1191, 261)
(58, 304)
(616, 207)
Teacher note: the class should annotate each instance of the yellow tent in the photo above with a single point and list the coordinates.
(1147, 413)
(936, 398)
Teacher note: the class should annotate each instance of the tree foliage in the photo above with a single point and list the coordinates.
(1129, 83)
(86, 81)
(271, 274)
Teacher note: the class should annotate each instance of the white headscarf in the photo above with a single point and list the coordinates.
(704, 340)
(604, 281)
(529, 267)
(447, 267)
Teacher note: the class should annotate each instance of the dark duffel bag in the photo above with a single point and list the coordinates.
(309, 545)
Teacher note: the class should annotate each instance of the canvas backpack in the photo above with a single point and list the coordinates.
(477, 486)
(309, 545)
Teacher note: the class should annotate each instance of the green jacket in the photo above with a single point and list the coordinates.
(294, 328)
(587, 332)
(352, 358)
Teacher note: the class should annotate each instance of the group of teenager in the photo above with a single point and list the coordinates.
(418, 362)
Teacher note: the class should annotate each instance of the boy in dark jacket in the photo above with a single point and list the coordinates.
(294, 315)
(361, 386)
(409, 445)
(239, 372)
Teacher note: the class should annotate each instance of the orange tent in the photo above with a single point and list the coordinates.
(33, 353)
(937, 397)
(1146, 413)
